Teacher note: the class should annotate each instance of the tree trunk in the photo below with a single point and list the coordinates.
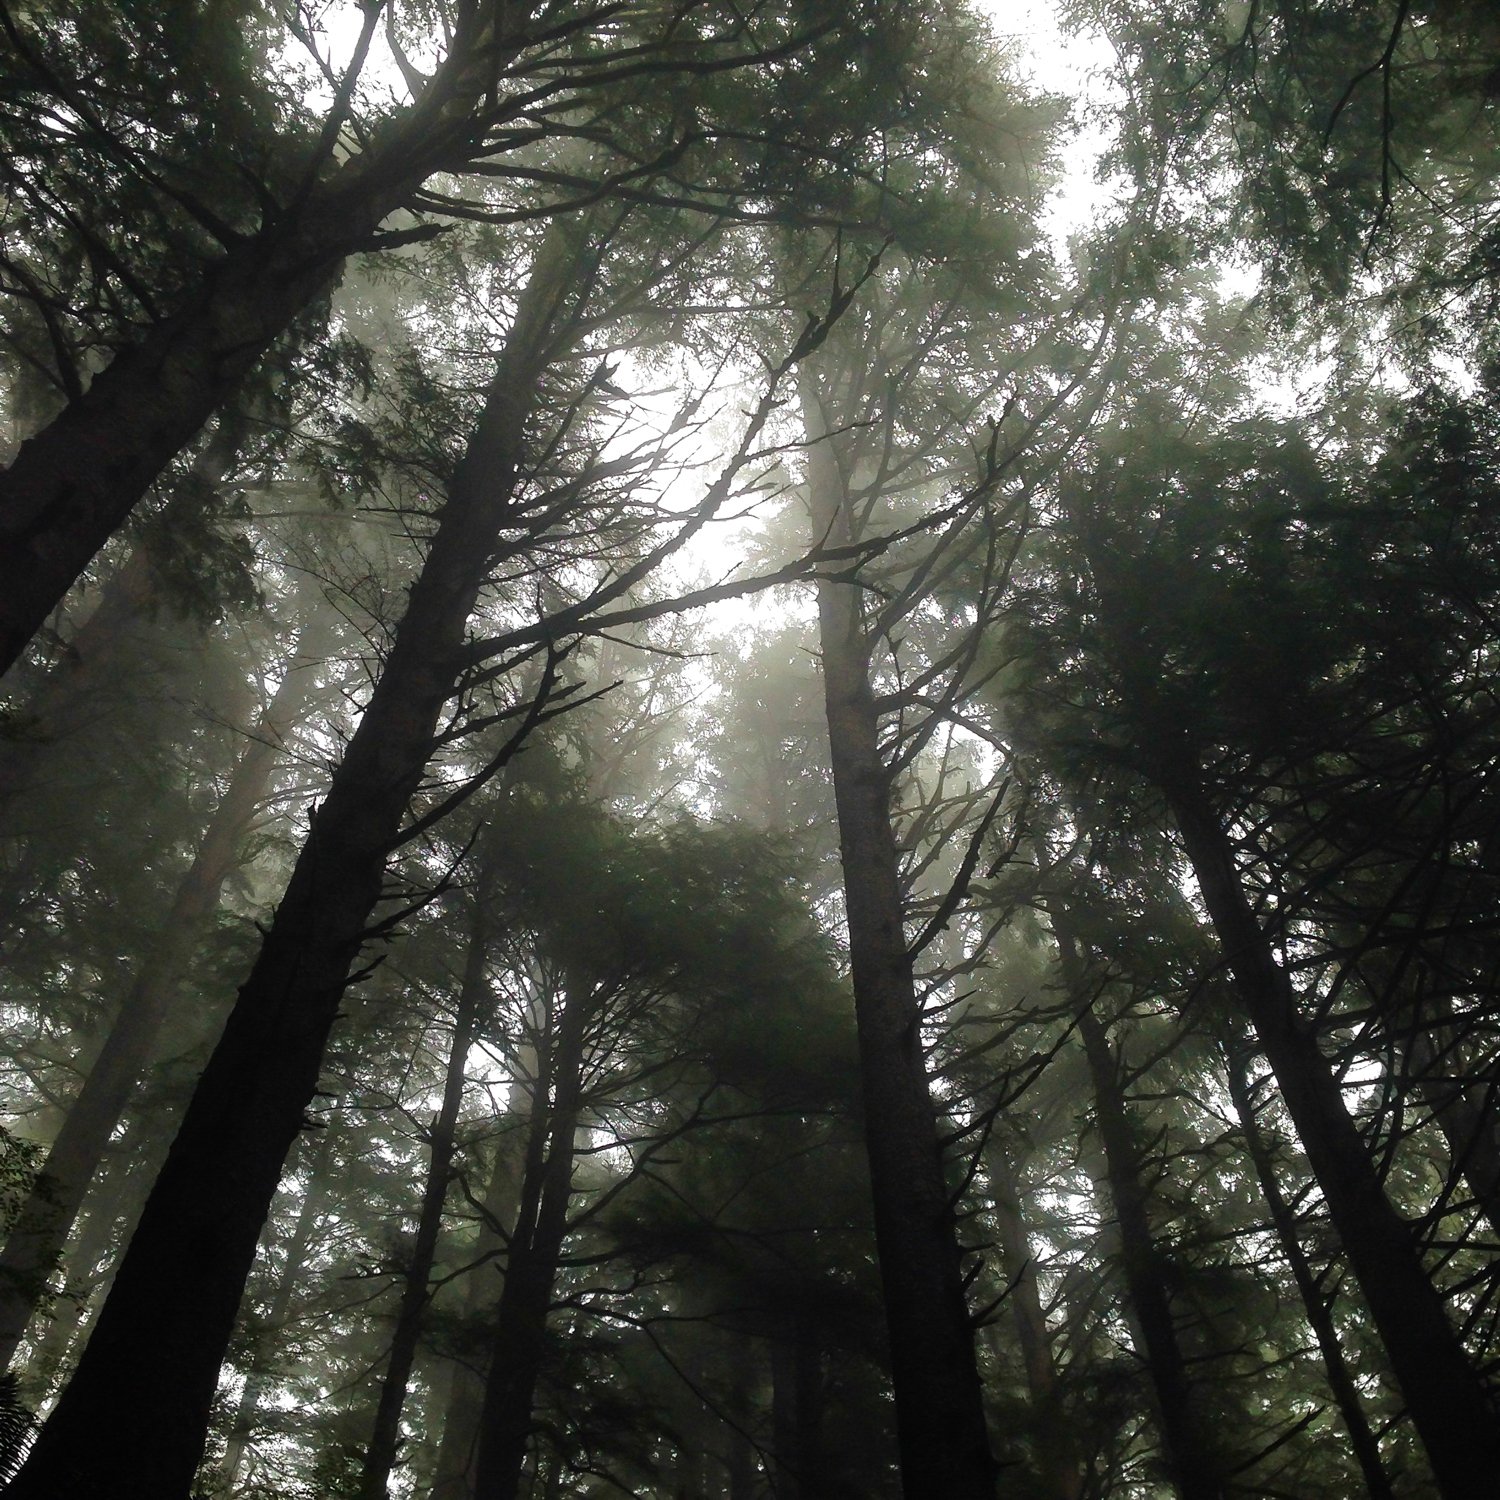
(46, 1219)
(242, 1427)
(96, 662)
(1471, 1129)
(1196, 1470)
(73, 483)
(943, 1442)
(453, 1476)
(1057, 1456)
(532, 1262)
(741, 1469)
(796, 1411)
(92, 1259)
(385, 1439)
(132, 1421)
(1319, 1315)
(1446, 1398)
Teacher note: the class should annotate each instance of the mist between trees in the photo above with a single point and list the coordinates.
(1006, 1009)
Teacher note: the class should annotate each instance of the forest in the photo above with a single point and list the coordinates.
(750, 750)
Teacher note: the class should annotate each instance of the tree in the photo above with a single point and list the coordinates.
(249, 1105)
(302, 205)
(1195, 762)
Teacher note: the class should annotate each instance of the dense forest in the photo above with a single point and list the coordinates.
(750, 749)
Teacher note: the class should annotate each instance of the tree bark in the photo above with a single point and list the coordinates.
(532, 1261)
(941, 1433)
(1315, 1306)
(73, 483)
(46, 1219)
(1448, 1402)
(132, 1421)
(1196, 1470)
(385, 1437)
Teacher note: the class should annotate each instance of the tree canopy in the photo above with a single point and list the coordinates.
(743, 757)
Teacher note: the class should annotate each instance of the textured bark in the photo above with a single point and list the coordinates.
(1196, 1470)
(943, 1442)
(1448, 1402)
(385, 1437)
(532, 1261)
(46, 1219)
(132, 1421)
(1315, 1307)
(1057, 1456)
(72, 484)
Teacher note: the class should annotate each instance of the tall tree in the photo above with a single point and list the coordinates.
(246, 268)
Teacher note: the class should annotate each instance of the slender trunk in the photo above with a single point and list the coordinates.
(943, 1442)
(740, 1465)
(68, 701)
(70, 1316)
(531, 1266)
(1195, 1469)
(242, 1427)
(132, 1421)
(73, 483)
(1471, 1129)
(691, 1449)
(385, 1439)
(94, 1257)
(1449, 1404)
(97, 659)
(1319, 1315)
(1447, 1400)
(1057, 1456)
(453, 1477)
(46, 1219)
(796, 1411)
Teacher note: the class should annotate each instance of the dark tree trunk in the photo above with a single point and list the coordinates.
(385, 1438)
(132, 1421)
(797, 1411)
(1448, 1402)
(47, 1217)
(72, 484)
(1195, 1468)
(943, 1441)
(533, 1259)
(1057, 1456)
(1315, 1306)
